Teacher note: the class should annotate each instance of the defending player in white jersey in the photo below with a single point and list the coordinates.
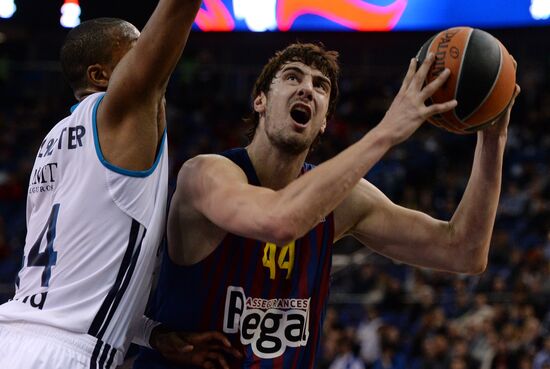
(97, 199)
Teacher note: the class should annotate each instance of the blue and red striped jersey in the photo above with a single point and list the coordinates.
(268, 299)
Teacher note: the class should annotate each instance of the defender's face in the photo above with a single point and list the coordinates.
(295, 107)
(99, 74)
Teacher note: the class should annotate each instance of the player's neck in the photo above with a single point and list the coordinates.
(82, 93)
(275, 168)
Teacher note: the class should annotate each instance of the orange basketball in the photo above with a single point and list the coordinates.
(482, 80)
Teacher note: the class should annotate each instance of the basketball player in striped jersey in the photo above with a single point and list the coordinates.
(96, 201)
(250, 231)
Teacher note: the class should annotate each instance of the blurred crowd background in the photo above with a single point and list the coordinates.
(382, 315)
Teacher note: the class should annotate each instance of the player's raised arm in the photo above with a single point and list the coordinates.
(131, 116)
(459, 245)
(144, 71)
(219, 190)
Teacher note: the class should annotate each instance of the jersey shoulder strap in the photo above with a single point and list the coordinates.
(240, 157)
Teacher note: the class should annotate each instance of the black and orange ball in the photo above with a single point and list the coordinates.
(482, 80)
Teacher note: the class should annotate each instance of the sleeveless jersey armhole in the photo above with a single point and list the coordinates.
(114, 168)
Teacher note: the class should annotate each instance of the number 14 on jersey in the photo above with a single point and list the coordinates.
(282, 257)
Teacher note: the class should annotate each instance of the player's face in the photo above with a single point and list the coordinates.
(296, 106)
(123, 40)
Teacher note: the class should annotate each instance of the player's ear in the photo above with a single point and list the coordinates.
(324, 126)
(260, 103)
(98, 76)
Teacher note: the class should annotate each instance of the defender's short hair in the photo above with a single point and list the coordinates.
(91, 42)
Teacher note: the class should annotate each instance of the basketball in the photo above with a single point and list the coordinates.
(482, 79)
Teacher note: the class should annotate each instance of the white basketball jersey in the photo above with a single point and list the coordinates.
(93, 231)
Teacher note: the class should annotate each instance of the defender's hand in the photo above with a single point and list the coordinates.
(207, 349)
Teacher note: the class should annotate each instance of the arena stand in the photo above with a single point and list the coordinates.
(383, 314)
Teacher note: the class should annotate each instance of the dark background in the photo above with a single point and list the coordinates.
(417, 319)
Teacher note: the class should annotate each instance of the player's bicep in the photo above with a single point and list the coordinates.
(399, 233)
(127, 101)
(139, 80)
(356, 207)
(218, 189)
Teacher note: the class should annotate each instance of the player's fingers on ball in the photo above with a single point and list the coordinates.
(505, 117)
(517, 91)
(514, 62)
(420, 75)
(409, 76)
(208, 365)
(441, 108)
(434, 85)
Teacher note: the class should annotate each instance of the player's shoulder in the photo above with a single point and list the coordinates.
(209, 164)
(62, 124)
(87, 103)
(206, 162)
(74, 112)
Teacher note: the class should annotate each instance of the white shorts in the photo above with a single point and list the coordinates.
(35, 346)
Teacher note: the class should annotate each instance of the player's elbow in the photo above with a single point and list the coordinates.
(481, 267)
(280, 231)
(467, 252)
(480, 261)
(474, 267)
(473, 261)
(282, 235)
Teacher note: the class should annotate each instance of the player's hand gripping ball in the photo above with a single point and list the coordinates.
(482, 80)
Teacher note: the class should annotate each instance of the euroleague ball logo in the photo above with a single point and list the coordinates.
(454, 52)
(268, 326)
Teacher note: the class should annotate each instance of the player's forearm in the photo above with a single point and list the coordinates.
(161, 43)
(473, 221)
(307, 200)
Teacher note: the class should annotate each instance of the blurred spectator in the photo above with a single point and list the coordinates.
(391, 356)
(542, 357)
(369, 336)
(347, 357)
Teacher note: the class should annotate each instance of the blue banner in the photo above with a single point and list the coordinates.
(368, 15)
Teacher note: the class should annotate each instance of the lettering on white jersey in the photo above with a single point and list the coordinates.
(269, 326)
(43, 178)
(36, 301)
(70, 137)
(93, 230)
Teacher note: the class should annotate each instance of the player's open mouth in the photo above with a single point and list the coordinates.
(301, 113)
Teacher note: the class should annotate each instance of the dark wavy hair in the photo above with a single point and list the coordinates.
(91, 42)
(313, 55)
